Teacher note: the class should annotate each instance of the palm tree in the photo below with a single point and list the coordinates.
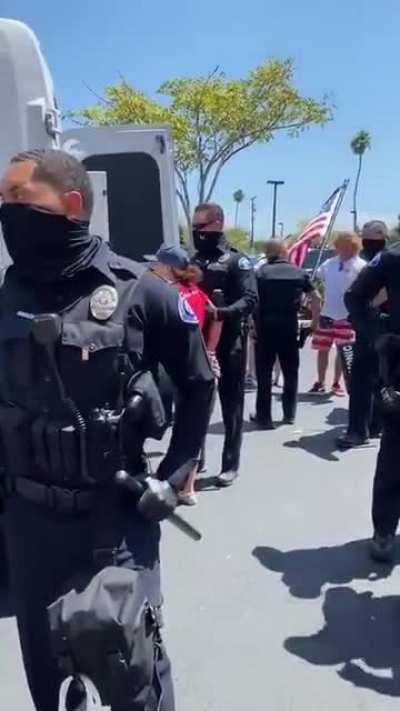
(238, 197)
(359, 144)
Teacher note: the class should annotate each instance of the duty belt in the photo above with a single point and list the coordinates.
(54, 497)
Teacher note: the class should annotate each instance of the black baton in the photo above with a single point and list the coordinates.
(126, 481)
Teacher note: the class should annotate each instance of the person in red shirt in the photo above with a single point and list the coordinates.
(172, 264)
(201, 305)
(188, 286)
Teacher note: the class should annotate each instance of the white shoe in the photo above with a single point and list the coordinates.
(187, 499)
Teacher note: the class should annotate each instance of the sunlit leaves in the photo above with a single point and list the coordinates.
(213, 118)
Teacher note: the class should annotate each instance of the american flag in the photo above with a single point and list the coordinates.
(316, 229)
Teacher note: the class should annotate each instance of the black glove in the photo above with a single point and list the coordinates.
(158, 501)
(144, 406)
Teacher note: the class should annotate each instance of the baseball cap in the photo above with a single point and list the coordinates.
(173, 256)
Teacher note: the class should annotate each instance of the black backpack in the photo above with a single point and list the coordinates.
(105, 629)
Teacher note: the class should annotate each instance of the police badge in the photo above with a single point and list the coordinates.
(103, 302)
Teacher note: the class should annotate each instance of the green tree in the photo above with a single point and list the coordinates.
(238, 238)
(213, 119)
(259, 246)
(359, 144)
(238, 197)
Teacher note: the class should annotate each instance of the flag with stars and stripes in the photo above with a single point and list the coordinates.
(317, 228)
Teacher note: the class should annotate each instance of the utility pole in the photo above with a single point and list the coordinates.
(275, 184)
(280, 225)
(252, 216)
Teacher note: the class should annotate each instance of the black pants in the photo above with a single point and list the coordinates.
(277, 339)
(231, 352)
(203, 449)
(45, 550)
(386, 490)
(167, 392)
(364, 405)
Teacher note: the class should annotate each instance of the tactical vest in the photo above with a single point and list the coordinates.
(38, 432)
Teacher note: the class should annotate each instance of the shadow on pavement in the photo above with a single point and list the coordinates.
(207, 483)
(361, 632)
(217, 428)
(321, 444)
(338, 416)
(315, 399)
(305, 571)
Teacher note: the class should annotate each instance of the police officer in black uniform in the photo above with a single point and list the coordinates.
(57, 386)
(382, 272)
(229, 271)
(280, 289)
(364, 402)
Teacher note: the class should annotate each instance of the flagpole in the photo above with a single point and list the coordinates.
(330, 226)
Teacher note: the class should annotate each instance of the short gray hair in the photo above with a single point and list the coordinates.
(62, 171)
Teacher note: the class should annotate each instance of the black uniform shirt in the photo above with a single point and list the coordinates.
(383, 271)
(150, 323)
(280, 288)
(231, 272)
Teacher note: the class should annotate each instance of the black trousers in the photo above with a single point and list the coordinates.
(167, 392)
(45, 550)
(277, 339)
(232, 353)
(386, 489)
(364, 404)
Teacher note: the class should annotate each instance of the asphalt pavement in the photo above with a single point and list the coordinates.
(278, 608)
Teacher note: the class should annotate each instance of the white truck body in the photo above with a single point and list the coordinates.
(132, 167)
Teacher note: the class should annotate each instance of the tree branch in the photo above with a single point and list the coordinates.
(224, 154)
(185, 197)
(214, 180)
(97, 96)
(185, 206)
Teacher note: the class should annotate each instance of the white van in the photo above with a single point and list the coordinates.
(132, 167)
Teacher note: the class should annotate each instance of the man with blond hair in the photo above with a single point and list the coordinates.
(332, 326)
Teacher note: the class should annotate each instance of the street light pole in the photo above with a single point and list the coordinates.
(275, 184)
(280, 225)
(252, 215)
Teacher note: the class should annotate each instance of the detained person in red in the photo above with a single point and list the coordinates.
(172, 265)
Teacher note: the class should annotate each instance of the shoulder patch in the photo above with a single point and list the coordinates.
(186, 312)
(244, 263)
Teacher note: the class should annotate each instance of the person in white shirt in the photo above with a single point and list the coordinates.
(331, 325)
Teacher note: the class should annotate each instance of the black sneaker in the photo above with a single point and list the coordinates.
(288, 421)
(317, 389)
(349, 441)
(227, 478)
(382, 548)
(262, 423)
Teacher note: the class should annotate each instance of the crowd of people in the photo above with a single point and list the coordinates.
(274, 311)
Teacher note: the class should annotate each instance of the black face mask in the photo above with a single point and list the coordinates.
(46, 247)
(207, 242)
(372, 247)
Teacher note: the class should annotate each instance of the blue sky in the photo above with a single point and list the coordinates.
(347, 49)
